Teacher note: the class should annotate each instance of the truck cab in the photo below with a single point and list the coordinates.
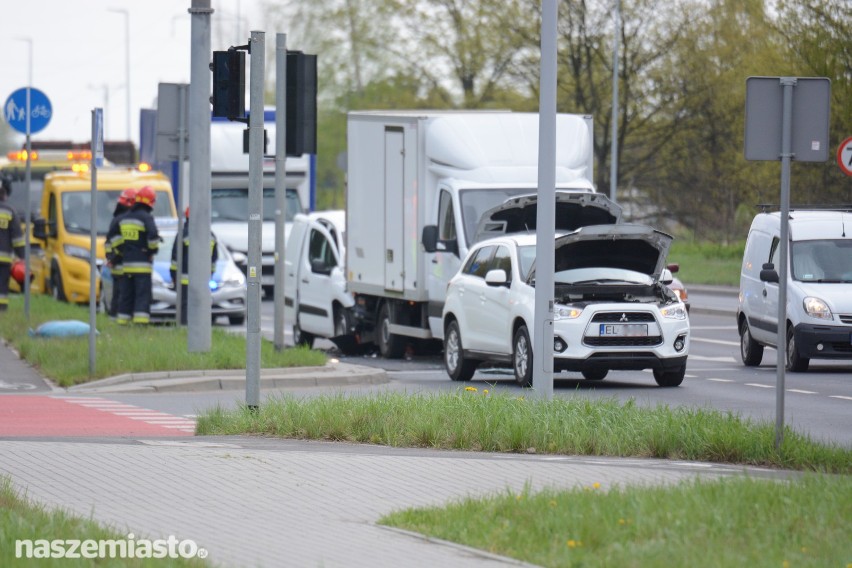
(64, 228)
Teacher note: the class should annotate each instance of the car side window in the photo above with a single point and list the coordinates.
(319, 249)
(446, 218)
(774, 250)
(503, 259)
(479, 263)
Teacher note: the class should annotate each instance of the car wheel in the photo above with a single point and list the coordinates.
(595, 374)
(236, 320)
(56, 285)
(391, 346)
(751, 351)
(301, 338)
(522, 357)
(458, 368)
(341, 322)
(670, 378)
(795, 363)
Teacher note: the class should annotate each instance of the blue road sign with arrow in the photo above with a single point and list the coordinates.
(15, 110)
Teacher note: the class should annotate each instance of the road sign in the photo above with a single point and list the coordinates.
(844, 156)
(15, 110)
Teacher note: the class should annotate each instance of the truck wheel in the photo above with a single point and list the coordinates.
(751, 351)
(595, 374)
(795, 363)
(670, 378)
(341, 322)
(391, 346)
(458, 368)
(301, 338)
(56, 285)
(522, 357)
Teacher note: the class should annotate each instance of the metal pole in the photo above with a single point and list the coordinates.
(280, 182)
(93, 238)
(787, 83)
(198, 294)
(27, 184)
(181, 199)
(257, 49)
(613, 167)
(545, 215)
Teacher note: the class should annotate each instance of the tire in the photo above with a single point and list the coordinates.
(795, 363)
(670, 378)
(341, 322)
(302, 338)
(391, 346)
(522, 357)
(751, 351)
(236, 320)
(56, 285)
(595, 374)
(458, 368)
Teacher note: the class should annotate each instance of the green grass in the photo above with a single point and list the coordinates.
(128, 349)
(707, 263)
(24, 520)
(470, 420)
(729, 522)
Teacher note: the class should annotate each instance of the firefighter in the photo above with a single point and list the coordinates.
(11, 241)
(122, 206)
(135, 239)
(184, 273)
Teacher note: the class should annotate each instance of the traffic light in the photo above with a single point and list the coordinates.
(301, 103)
(229, 84)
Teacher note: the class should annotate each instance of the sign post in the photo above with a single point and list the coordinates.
(97, 148)
(27, 110)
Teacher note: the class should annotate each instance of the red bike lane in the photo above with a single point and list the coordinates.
(52, 416)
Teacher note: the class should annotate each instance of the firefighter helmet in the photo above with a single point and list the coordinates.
(146, 195)
(127, 197)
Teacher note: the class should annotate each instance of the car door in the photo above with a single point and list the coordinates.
(316, 292)
(471, 292)
(445, 262)
(768, 314)
(495, 306)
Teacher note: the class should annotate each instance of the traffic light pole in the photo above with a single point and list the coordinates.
(257, 49)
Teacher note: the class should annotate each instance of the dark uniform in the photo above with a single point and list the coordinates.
(11, 242)
(122, 206)
(184, 273)
(134, 238)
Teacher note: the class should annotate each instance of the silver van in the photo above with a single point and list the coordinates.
(819, 288)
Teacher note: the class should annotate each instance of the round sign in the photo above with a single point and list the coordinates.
(15, 110)
(844, 156)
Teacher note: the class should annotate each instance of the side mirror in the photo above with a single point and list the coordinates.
(769, 274)
(666, 276)
(673, 267)
(239, 257)
(40, 229)
(319, 267)
(496, 277)
(430, 238)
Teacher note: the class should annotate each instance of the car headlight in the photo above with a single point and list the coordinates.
(677, 312)
(77, 252)
(157, 280)
(233, 277)
(816, 308)
(566, 312)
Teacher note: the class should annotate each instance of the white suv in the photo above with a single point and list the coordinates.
(613, 310)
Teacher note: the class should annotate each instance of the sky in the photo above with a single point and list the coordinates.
(79, 55)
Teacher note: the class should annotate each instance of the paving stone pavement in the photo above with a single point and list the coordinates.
(262, 502)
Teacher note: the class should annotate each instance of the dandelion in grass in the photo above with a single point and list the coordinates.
(596, 485)
(622, 522)
(574, 543)
(484, 391)
(552, 503)
(470, 389)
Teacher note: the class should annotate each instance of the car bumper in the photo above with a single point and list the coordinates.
(223, 303)
(823, 341)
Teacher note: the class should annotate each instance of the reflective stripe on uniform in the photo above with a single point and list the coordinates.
(137, 267)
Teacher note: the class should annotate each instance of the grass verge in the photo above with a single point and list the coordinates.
(21, 519)
(128, 349)
(481, 421)
(729, 522)
(707, 263)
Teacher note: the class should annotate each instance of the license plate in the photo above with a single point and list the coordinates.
(623, 330)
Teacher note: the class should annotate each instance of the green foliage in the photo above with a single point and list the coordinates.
(471, 420)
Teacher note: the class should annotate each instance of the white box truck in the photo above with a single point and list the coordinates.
(229, 197)
(418, 184)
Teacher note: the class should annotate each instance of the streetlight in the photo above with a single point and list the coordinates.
(105, 88)
(127, 59)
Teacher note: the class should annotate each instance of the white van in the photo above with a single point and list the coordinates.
(819, 288)
(315, 297)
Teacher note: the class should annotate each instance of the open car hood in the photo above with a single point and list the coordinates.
(630, 247)
(573, 210)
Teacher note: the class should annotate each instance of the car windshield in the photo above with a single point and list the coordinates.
(601, 276)
(76, 209)
(231, 204)
(164, 253)
(822, 261)
(475, 202)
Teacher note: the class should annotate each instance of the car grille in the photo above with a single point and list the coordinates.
(619, 317)
(623, 341)
(841, 347)
(845, 318)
